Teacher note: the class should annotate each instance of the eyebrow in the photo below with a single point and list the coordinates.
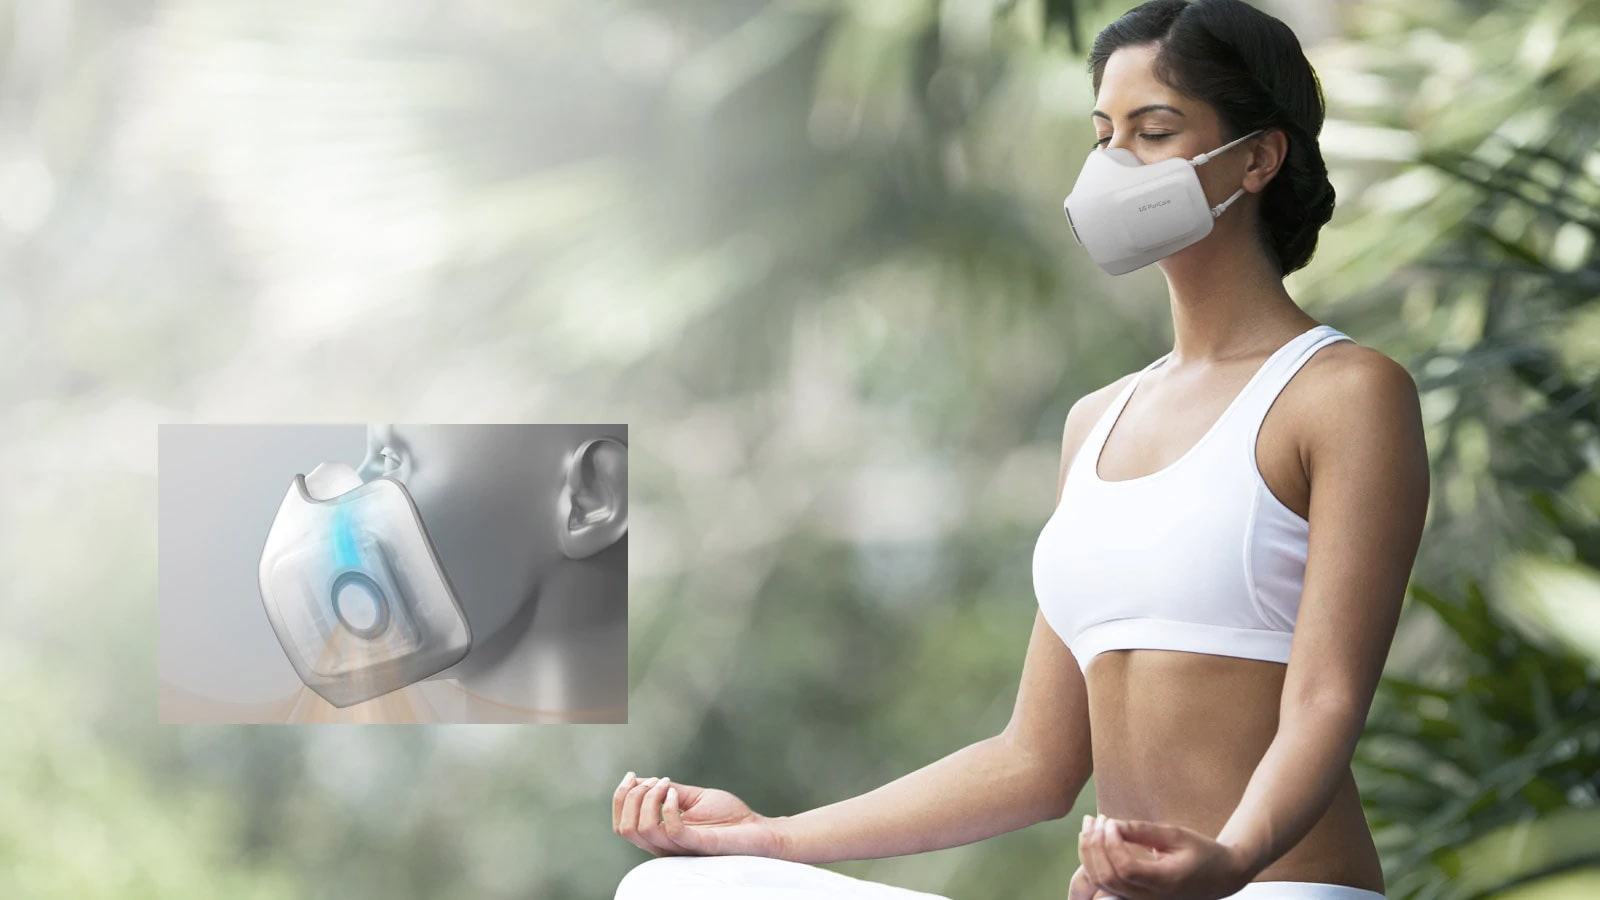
(1148, 107)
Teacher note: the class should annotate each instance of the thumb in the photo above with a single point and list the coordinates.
(1159, 835)
(672, 822)
(688, 795)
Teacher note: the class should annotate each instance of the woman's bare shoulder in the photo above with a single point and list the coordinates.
(1081, 418)
(1346, 370)
(1351, 392)
(1088, 409)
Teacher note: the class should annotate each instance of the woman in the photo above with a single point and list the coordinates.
(1219, 584)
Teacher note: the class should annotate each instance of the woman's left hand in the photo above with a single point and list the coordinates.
(1138, 860)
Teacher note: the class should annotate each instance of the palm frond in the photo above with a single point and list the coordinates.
(1508, 733)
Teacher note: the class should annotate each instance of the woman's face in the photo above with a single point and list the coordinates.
(1135, 111)
(1138, 113)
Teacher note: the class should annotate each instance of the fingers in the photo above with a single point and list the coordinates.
(1122, 858)
(649, 827)
(631, 815)
(636, 814)
(1119, 866)
(1091, 866)
(1156, 835)
(672, 821)
(628, 810)
(1081, 887)
(616, 801)
(1092, 850)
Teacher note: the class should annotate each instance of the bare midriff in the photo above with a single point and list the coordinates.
(1177, 736)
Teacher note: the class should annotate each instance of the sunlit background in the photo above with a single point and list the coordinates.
(813, 253)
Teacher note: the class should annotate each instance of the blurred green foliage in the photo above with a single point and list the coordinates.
(813, 252)
(1457, 770)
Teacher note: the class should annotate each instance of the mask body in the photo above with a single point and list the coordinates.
(354, 590)
(1128, 214)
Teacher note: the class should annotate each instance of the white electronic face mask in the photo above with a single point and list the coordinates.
(1128, 214)
(354, 589)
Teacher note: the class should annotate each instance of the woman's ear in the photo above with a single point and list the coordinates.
(594, 498)
(386, 455)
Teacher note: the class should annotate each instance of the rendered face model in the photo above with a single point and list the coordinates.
(525, 520)
(527, 523)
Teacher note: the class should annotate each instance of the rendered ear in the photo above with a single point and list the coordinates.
(386, 455)
(594, 498)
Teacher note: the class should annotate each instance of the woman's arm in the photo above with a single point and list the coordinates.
(1031, 772)
(1369, 497)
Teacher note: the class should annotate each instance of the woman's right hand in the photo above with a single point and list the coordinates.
(1081, 886)
(671, 819)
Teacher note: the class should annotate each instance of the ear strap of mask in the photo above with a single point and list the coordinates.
(1217, 210)
(1204, 158)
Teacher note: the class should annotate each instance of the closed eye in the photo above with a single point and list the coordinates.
(1148, 137)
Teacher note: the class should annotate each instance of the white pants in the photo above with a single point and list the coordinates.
(753, 877)
(761, 878)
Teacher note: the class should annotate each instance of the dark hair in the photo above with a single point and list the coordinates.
(1250, 68)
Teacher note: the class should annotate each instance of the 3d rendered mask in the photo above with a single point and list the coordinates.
(354, 589)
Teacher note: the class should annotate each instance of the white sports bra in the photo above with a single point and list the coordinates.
(1198, 556)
